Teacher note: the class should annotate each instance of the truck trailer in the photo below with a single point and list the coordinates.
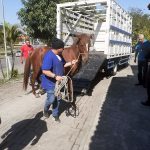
(111, 26)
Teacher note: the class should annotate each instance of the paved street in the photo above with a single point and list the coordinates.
(112, 118)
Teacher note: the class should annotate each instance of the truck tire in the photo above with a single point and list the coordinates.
(114, 70)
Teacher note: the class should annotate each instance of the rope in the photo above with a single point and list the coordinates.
(61, 89)
(74, 64)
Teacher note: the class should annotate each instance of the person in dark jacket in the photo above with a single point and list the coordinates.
(148, 6)
(146, 49)
(142, 63)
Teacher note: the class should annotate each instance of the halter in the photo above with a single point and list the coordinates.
(74, 64)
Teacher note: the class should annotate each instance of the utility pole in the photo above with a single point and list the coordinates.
(5, 48)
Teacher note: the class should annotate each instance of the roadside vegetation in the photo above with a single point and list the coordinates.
(39, 16)
(140, 24)
(12, 33)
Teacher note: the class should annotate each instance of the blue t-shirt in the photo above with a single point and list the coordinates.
(139, 50)
(55, 64)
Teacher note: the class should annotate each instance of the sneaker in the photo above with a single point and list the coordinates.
(56, 118)
(146, 103)
(45, 114)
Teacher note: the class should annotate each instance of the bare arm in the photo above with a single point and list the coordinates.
(21, 57)
(52, 75)
(70, 63)
(136, 53)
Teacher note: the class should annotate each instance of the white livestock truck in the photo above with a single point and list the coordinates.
(111, 26)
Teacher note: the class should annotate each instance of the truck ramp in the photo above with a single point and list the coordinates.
(83, 79)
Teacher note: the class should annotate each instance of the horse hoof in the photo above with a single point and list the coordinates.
(37, 95)
(42, 92)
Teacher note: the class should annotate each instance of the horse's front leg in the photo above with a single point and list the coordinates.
(85, 57)
(70, 90)
(72, 110)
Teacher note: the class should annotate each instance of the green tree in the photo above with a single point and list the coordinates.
(1, 36)
(12, 33)
(39, 16)
(140, 24)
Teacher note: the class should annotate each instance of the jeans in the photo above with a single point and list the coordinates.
(51, 99)
(148, 82)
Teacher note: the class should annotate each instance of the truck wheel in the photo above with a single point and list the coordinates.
(114, 71)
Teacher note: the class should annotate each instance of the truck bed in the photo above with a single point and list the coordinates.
(82, 81)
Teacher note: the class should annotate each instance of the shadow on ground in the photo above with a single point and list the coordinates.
(23, 133)
(124, 124)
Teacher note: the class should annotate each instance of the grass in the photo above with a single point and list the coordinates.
(15, 78)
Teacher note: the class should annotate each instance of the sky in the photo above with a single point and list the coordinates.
(11, 7)
(141, 4)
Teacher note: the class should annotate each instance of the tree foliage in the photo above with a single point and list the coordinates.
(39, 16)
(140, 24)
(12, 32)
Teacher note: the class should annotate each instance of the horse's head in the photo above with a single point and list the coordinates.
(84, 44)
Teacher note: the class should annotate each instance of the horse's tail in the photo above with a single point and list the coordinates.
(26, 73)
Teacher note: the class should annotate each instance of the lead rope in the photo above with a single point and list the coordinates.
(61, 89)
(74, 64)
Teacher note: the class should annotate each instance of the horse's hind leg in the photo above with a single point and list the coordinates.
(41, 90)
(33, 78)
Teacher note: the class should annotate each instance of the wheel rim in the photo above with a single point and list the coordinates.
(115, 69)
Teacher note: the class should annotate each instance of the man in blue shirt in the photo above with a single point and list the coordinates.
(53, 70)
(142, 63)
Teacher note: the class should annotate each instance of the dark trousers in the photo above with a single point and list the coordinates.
(148, 82)
(142, 71)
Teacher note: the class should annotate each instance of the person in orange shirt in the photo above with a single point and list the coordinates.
(26, 49)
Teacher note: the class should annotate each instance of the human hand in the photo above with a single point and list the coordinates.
(58, 78)
(74, 61)
(21, 61)
(135, 60)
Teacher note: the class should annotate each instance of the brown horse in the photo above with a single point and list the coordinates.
(79, 50)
